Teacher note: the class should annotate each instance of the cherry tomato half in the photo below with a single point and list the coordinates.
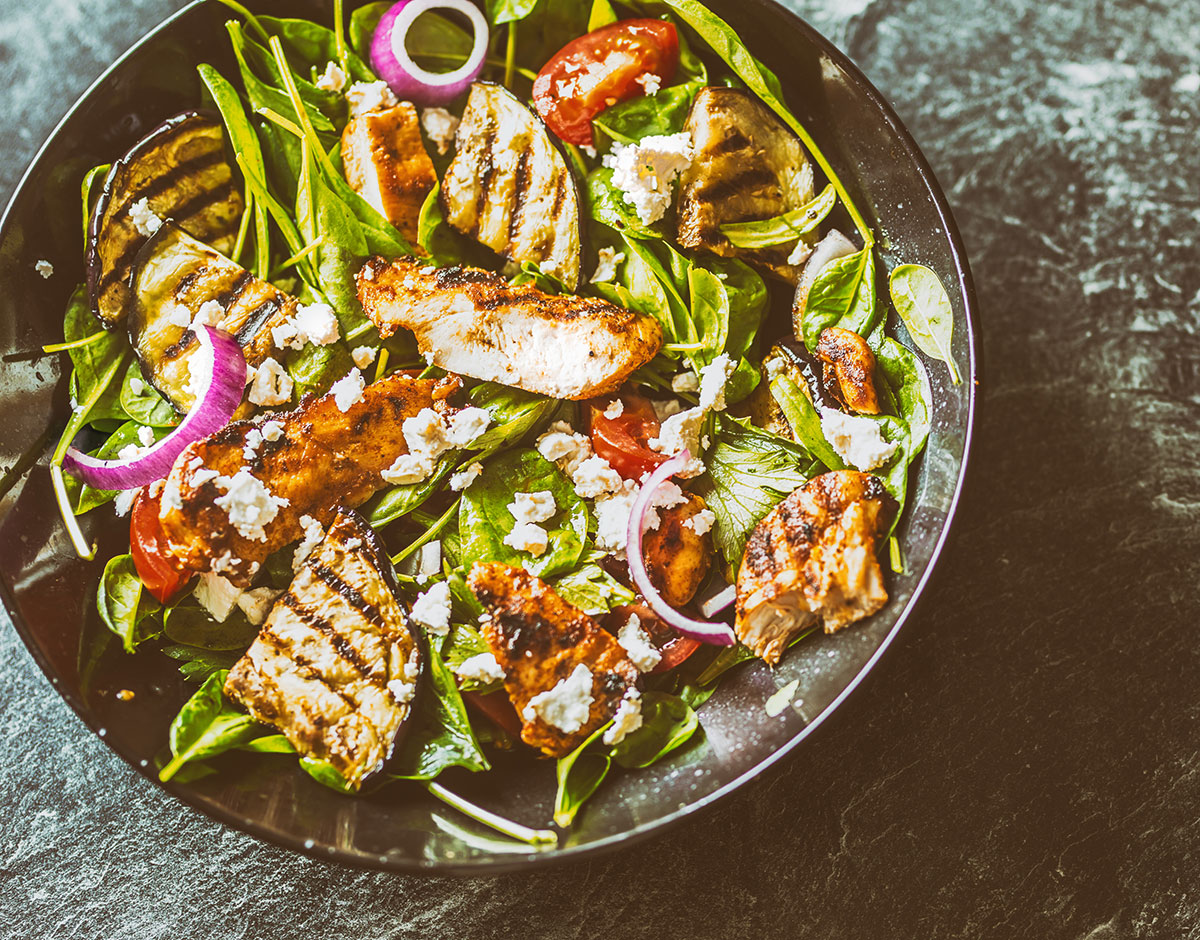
(623, 440)
(674, 646)
(599, 69)
(148, 546)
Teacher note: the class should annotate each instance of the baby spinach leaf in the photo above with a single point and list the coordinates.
(310, 45)
(782, 229)
(442, 736)
(805, 421)
(578, 775)
(484, 518)
(509, 11)
(325, 774)
(463, 643)
(648, 115)
(95, 360)
(909, 384)
(593, 590)
(403, 498)
(749, 471)
(606, 204)
(668, 722)
(924, 306)
(602, 14)
(198, 664)
(145, 406)
(514, 413)
(207, 725)
(843, 295)
(191, 625)
(121, 605)
(269, 744)
(362, 26)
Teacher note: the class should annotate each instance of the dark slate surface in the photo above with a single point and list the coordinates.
(1025, 763)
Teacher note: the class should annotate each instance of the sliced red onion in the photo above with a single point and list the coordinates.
(719, 634)
(222, 377)
(391, 61)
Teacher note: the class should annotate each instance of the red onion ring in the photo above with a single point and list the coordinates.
(392, 63)
(719, 634)
(224, 369)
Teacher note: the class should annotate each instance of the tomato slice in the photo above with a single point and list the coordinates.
(623, 440)
(498, 707)
(148, 546)
(599, 69)
(673, 645)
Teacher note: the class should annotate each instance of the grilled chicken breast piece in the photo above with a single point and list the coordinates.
(812, 558)
(539, 640)
(748, 166)
(336, 664)
(307, 462)
(850, 368)
(677, 555)
(386, 163)
(472, 322)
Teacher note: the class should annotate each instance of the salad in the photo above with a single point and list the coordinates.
(480, 379)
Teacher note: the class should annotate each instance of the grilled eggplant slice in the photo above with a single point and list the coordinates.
(174, 276)
(747, 167)
(509, 187)
(337, 664)
(787, 357)
(180, 170)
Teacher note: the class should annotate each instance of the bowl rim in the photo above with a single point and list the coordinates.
(542, 859)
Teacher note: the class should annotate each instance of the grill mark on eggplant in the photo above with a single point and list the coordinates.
(520, 182)
(185, 282)
(349, 594)
(307, 670)
(487, 170)
(734, 142)
(254, 321)
(230, 296)
(560, 193)
(737, 186)
(164, 181)
(343, 649)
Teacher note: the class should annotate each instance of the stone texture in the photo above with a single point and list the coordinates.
(1024, 763)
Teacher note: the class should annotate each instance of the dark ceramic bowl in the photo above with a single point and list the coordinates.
(49, 591)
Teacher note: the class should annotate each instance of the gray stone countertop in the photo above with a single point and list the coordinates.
(1024, 764)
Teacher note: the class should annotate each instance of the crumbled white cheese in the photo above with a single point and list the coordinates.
(606, 264)
(562, 443)
(124, 501)
(431, 558)
(856, 439)
(257, 603)
(650, 82)
(567, 705)
(217, 595)
(137, 386)
(440, 125)
(146, 436)
(665, 407)
(701, 522)
(272, 430)
(463, 478)
(180, 316)
(533, 507)
(615, 408)
(407, 468)
(348, 390)
(171, 497)
(352, 544)
(249, 504)
(528, 537)
(286, 335)
(627, 719)
(589, 150)
(432, 609)
(129, 452)
(685, 382)
(271, 385)
(636, 643)
(612, 519)
(466, 425)
(314, 532)
(713, 378)
(44, 268)
(594, 477)
(429, 435)
(402, 692)
(332, 79)
(482, 668)
(144, 219)
(800, 253)
(777, 704)
(210, 314)
(365, 97)
(366, 272)
(645, 171)
(317, 323)
(681, 431)
(363, 356)
(202, 475)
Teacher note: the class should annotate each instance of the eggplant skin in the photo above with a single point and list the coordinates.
(173, 271)
(337, 664)
(748, 166)
(180, 169)
(509, 187)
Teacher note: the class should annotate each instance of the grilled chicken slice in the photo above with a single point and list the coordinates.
(306, 463)
(178, 171)
(472, 322)
(509, 186)
(850, 368)
(174, 277)
(747, 167)
(812, 558)
(386, 163)
(540, 640)
(336, 665)
(677, 555)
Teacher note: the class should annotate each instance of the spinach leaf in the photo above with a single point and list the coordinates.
(463, 643)
(121, 605)
(403, 498)
(749, 471)
(578, 775)
(924, 306)
(549, 27)
(606, 204)
(908, 382)
(514, 413)
(145, 406)
(198, 664)
(310, 45)
(843, 295)
(269, 744)
(206, 726)
(668, 722)
(647, 115)
(509, 11)
(363, 22)
(96, 359)
(782, 229)
(442, 736)
(748, 305)
(314, 368)
(325, 774)
(593, 590)
(190, 624)
(601, 15)
(484, 518)
(805, 421)
(85, 195)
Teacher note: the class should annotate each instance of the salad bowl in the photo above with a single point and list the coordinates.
(49, 591)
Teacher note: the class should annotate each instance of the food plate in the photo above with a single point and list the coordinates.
(49, 591)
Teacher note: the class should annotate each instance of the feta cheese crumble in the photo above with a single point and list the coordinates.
(432, 609)
(363, 356)
(702, 522)
(217, 595)
(612, 519)
(482, 668)
(249, 504)
(594, 477)
(615, 408)
(210, 313)
(44, 268)
(429, 435)
(332, 79)
(627, 719)
(528, 537)
(856, 439)
(314, 532)
(682, 431)
(567, 705)
(272, 430)
(606, 264)
(144, 219)
(533, 507)
(348, 390)
(271, 385)
(685, 382)
(650, 82)
(463, 478)
(137, 386)
(123, 502)
(365, 97)
(257, 603)
(636, 643)
(645, 171)
(317, 323)
(439, 125)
